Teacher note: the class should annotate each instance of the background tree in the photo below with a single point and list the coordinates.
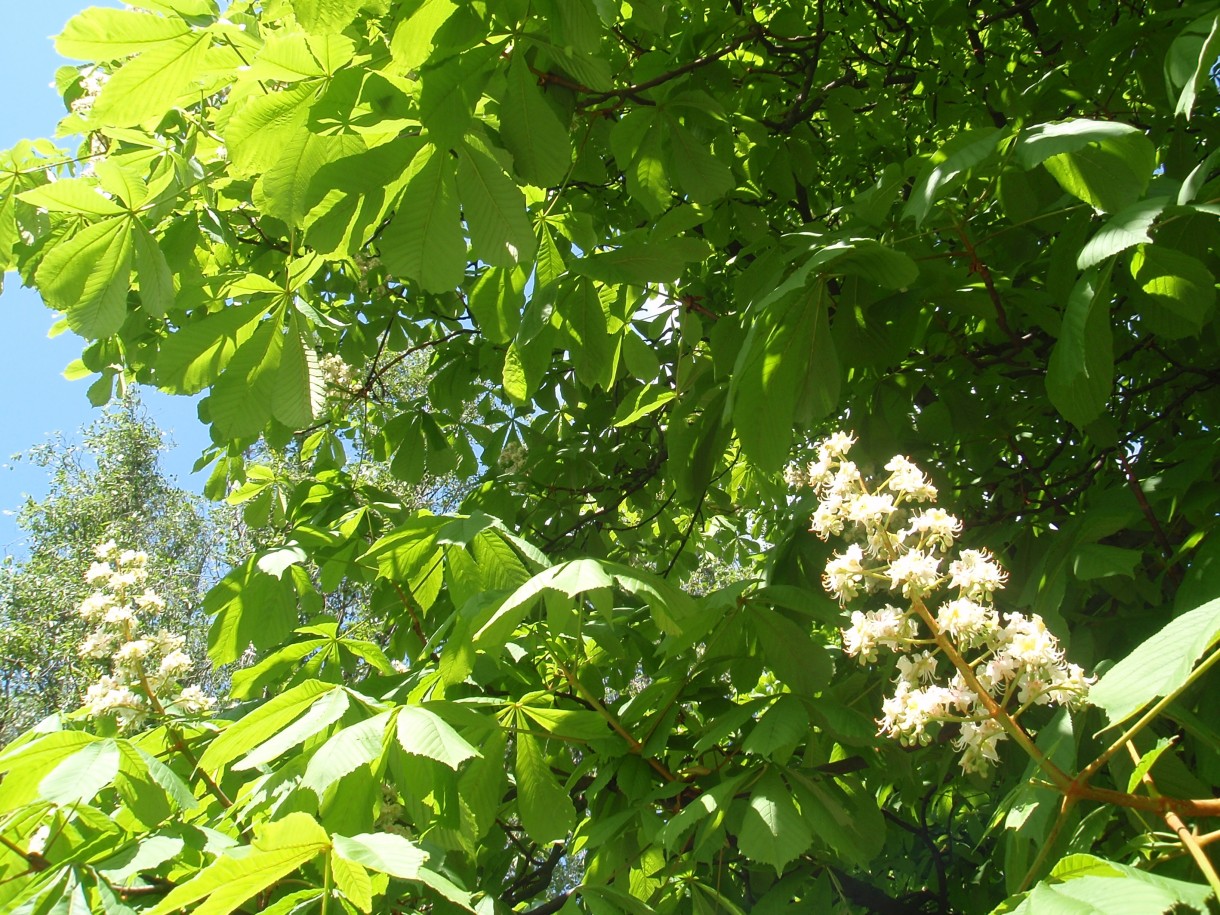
(107, 486)
(651, 253)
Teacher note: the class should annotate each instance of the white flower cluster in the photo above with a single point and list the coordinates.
(900, 547)
(512, 457)
(146, 668)
(337, 374)
(92, 79)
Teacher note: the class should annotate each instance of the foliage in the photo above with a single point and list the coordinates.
(651, 251)
(109, 485)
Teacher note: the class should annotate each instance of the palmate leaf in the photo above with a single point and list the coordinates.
(87, 276)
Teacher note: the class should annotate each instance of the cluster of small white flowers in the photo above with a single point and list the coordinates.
(146, 668)
(512, 457)
(901, 547)
(91, 82)
(339, 377)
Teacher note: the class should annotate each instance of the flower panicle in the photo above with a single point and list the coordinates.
(900, 544)
(146, 670)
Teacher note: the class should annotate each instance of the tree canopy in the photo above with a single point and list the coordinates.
(652, 252)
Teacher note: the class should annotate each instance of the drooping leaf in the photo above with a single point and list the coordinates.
(500, 233)
(87, 277)
(544, 807)
(1081, 370)
(424, 240)
(531, 130)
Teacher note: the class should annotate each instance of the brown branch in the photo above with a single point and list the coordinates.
(633, 745)
(636, 89)
(977, 266)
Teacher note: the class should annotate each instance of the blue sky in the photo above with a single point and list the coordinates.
(36, 398)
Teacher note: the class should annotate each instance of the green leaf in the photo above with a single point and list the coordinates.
(1179, 291)
(260, 126)
(323, 17)
(702, 177)
(416, 36)
(284, 189)
(782, 726)
(643, 262)
(156, 281)
(1124, 230)
(449, 92)
(1147, 761)
(531, 130)
(570, 723)
(1159, 666)
(298, 391)
(1190, 59)
(324, 712)
(1081, 370)
(193, 357)
(86, 276)
(146, 87)
(25, 765)
(241, 399)
(228, 882)
(101, 34)
(569, 578)
(544, 807)
(383, 852)
(71, 195)
(947, 168)
(260, 725)
(424, 240)
(295, 56)
(790, 652)
(82, 775)
(773, 831)
(424, 733)
(786, 362)
(345, 752)
(646, 400)
(1096, 560)
(500, 232)
(496, 302)
(587, 324)
(1103, 163)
